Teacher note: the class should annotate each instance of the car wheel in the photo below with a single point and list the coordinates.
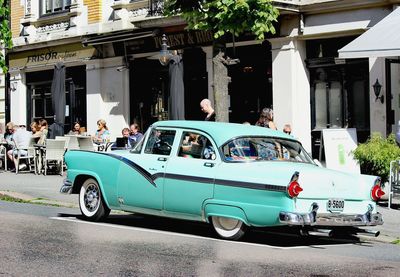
(91, 201)
(228, 228)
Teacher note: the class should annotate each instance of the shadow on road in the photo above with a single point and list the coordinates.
(276, 236)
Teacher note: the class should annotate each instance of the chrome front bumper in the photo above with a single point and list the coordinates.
(314, 219)
(66, 187)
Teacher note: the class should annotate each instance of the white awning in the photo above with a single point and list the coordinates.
(382, 40)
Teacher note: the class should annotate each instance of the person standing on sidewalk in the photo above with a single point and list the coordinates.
(266, 119)
(206, 107)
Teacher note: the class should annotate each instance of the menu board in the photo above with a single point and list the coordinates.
(338, 145)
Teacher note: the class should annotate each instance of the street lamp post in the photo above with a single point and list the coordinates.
(165, 54)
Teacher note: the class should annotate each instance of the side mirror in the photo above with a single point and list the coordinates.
(317, 162)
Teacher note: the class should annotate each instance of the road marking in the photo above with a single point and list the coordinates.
(75, 220)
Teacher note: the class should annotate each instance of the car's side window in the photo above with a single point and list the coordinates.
(197, 146)
(160, 142)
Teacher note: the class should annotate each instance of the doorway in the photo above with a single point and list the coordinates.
(393, 93)
(339, 99)
(39, 100)
(250, 89)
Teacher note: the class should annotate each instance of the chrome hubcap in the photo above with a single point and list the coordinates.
(91, 197)
(228, 223)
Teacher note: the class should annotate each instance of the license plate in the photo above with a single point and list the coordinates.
(335, 205)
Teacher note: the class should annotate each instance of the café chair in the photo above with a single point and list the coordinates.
(55, 150)
(3, 156)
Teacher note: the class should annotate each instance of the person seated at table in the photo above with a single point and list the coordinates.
(34, 127)
(41, 135)
(21, 138)
(123, 142)
(135, 136)
(8, 137)
(76, 129)
(8, 134)
(102, 134)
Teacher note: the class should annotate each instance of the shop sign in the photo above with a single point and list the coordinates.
(51, 55)
(174, 41)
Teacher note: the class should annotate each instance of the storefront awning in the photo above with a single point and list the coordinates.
(382, 40)
(117, 37)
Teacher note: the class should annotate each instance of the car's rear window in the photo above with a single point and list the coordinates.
(264, 149)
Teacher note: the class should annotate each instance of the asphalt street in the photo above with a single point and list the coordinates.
(36, 240)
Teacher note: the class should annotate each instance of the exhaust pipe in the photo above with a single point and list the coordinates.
(321, 232)
(367, 232)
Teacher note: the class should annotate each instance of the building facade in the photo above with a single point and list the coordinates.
(111, 48)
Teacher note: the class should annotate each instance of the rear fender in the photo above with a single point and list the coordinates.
(81, 176)
(224, 211)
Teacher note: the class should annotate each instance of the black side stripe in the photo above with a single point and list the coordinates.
(250, 185)
(230, 183)
(137, 167)
(221, 182)
(189, 178)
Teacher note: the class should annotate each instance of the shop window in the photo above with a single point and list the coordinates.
(54, 6)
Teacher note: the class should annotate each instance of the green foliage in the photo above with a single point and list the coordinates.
(226, 16)
(375, 155)
(5, 33)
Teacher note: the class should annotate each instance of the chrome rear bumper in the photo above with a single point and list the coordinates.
(66, 187)
(314, 219)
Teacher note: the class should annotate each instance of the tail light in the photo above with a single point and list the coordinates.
(294, 189)
(376, 191)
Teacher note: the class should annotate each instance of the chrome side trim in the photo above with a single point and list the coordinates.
(66, 187)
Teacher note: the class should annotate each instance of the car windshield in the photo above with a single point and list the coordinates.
(264, 149)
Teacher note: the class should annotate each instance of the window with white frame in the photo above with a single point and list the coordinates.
(54, 6)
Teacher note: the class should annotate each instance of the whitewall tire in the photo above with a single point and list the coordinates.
(91, 201)
(228, 228)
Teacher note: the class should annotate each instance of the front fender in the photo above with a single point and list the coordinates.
(224, 211)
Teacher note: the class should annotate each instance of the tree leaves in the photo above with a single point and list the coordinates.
(5, 33)
(222, 16)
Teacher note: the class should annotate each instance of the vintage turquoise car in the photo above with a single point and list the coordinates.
(233, 176)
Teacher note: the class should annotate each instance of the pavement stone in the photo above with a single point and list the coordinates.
(46, 190)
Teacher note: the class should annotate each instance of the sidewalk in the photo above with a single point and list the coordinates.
(36, 188)
(45, 189)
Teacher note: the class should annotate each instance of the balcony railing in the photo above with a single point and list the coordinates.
(156, 7)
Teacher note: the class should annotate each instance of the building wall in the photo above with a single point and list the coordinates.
(17, 12)
(94, 10)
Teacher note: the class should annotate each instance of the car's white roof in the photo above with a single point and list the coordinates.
(221, 132)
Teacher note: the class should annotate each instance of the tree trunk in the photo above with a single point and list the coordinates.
(221, 81)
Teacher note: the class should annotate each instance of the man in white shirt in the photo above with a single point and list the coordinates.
(21, 138)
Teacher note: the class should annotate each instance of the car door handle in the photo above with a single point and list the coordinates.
(162, 159)
(209, 164)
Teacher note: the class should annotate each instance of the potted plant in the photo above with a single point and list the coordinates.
(375, 155)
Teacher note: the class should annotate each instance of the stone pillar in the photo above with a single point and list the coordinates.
(291, 88)
(18, 94)
(377, 109)
(107, 95)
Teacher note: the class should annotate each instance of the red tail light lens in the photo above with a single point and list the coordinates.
(377, 192)
(294, 189)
